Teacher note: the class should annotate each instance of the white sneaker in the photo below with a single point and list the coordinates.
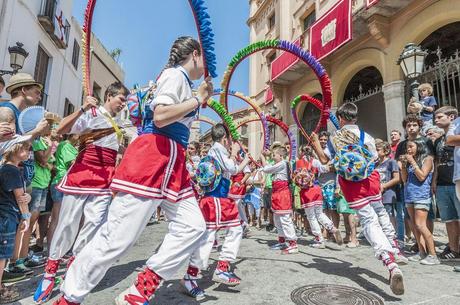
(430, 260)
(191, 287)
(396, 281)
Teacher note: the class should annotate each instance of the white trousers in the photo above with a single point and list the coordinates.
(285, 226)
(373, 231)
(230, 247)
(73, 207)
(384, 220)
(316, 216)
(242, 211)
(128, 215)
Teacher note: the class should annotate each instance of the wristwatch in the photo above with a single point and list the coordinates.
(26, 215)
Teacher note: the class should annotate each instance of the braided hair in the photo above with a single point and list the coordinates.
(182, 47)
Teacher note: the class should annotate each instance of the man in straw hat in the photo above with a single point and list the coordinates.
(25, 92)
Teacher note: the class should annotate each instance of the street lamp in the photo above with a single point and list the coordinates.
(17, 57)
(412, 61)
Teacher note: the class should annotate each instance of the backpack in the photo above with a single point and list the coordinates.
(208, 174)
(354, 162)
(304, 177)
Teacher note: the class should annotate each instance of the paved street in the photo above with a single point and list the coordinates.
(269, 278)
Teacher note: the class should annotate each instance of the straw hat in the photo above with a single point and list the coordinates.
(6, 146)
(20, 80)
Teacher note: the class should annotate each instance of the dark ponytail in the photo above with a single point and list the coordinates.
(182, 47)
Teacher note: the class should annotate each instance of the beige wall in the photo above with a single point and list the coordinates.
(377, 41)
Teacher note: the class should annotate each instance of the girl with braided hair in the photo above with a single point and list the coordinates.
(152, 173)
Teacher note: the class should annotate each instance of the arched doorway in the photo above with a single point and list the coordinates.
(442, 65)
(365, 90)
(310, 118)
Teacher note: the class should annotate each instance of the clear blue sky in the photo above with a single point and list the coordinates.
(145, 29)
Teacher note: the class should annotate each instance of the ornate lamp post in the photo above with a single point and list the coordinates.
(412, 61)
(17, 57)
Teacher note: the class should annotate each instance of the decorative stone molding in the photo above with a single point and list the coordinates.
(263, 11)
(379, 28)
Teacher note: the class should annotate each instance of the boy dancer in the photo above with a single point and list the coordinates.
(86, 184)
(161, 179)
(359, 194)
(282, 201)
(219, 212)
(238, 191)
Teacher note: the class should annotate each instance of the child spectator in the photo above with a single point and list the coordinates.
(13, 206)
(443, 185)
(252, 199)
(428, 102)
(65, 155)
(389, 177)
(417, 173)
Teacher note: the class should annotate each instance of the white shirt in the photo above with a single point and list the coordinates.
(221, 154)
(279, 170)
(173, 87)
(454, 130)
(368, 140)
(87, 122)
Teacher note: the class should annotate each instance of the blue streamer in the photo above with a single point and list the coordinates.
(206, 34)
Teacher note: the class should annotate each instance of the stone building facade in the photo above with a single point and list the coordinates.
(364, 70)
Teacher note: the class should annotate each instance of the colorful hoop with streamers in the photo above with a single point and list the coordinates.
(207, 120)
(315, 102)
(226, 118)
(203, 24)
(256, 108)
(283, 126)
(291, 48)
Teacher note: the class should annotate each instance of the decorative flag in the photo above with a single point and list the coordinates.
(332, 30)
(269, 96)
(283, 62)
(60, 24)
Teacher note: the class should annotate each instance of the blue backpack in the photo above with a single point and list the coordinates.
(354, 162)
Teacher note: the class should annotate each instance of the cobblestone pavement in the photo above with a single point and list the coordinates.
(269, 277)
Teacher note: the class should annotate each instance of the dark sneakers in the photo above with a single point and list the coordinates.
(12, 277)
(449, 255)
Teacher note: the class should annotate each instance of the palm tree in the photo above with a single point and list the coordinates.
(115, 54)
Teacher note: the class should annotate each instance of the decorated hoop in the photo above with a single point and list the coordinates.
(207, 120)
(291, 48)
(203, 24)
(226, 118)
(256, 108)
(283, 126)
(315, 102)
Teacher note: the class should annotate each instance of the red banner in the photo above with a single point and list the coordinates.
(283, 62)
(269, 96)
(332, 30)
(370, 3)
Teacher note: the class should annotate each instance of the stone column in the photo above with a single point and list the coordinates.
(393, 94)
